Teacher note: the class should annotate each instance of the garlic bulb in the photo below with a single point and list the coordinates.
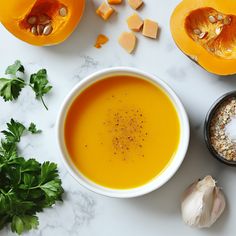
(203, 203)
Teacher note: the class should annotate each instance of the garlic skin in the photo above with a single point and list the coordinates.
(203, 203)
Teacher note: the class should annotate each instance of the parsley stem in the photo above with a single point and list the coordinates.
(10, 190)
(6, 193)
(10, 88)
(41, 98)
(2, 191)
(20, 80)
(35, 187)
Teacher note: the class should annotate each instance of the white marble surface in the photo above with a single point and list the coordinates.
(83, 212)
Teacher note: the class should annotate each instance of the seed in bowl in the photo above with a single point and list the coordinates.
(222, 130)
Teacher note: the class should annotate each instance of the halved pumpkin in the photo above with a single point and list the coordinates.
(41, 22)
(205, 30)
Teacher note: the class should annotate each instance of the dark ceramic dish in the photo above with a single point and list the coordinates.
(209, 117)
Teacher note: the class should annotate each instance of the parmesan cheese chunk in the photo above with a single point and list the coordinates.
(128, 40)
(105, 11)
(135, 4)
(150, 29)
(134, 22)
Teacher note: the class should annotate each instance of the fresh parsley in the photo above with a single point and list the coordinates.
(11, 87)
(16, 67)
(33, 129)
(39, 84)
(26, 186)
(14, 132)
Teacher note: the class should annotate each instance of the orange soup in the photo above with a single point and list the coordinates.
(122, 132)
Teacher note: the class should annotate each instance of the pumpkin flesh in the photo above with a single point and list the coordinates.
(216, 50)
(16, 15)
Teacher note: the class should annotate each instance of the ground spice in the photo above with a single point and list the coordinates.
(127, 126)
(221, 142)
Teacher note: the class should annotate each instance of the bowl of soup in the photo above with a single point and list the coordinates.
(122, 132)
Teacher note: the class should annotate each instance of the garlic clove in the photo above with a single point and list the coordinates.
(218, 205)
(192, 208)
(202, 203)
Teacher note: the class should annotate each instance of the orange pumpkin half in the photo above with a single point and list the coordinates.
(205, 30)
(41, 22)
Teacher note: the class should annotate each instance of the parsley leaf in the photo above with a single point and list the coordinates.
(15, 131)
(48, 172)
(13, 69)
(53, 190)
(10, 88)
(24, 223)
(39, 84)
(33, 129)
(26, 186)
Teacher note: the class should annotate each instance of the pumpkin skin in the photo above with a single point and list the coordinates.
(14, 15)
(216, 51)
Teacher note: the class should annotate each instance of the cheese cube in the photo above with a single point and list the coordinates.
(134, 22)
(150, 29)
(135, 4)
(128, 40)
(105, 11)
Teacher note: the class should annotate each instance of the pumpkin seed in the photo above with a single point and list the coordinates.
(63, 11)
(197, 31)
(47, 30)
(32, 20)
(34, 30)
(212, 19)
(219, 17)
(40, 29)
(202, 35)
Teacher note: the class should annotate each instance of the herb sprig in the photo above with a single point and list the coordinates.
(26, 186)
(10, 88)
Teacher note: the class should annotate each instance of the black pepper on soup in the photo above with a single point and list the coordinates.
(223, 129)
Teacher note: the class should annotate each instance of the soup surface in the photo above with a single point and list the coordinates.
(122, 132)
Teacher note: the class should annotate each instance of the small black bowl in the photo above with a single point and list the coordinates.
(207, 124)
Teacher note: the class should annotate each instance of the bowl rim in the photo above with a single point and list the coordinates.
(165, 175)
(207, 123)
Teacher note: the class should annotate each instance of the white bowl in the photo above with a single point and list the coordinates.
(160, 179)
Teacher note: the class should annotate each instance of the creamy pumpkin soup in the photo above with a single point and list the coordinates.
(122, 132)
